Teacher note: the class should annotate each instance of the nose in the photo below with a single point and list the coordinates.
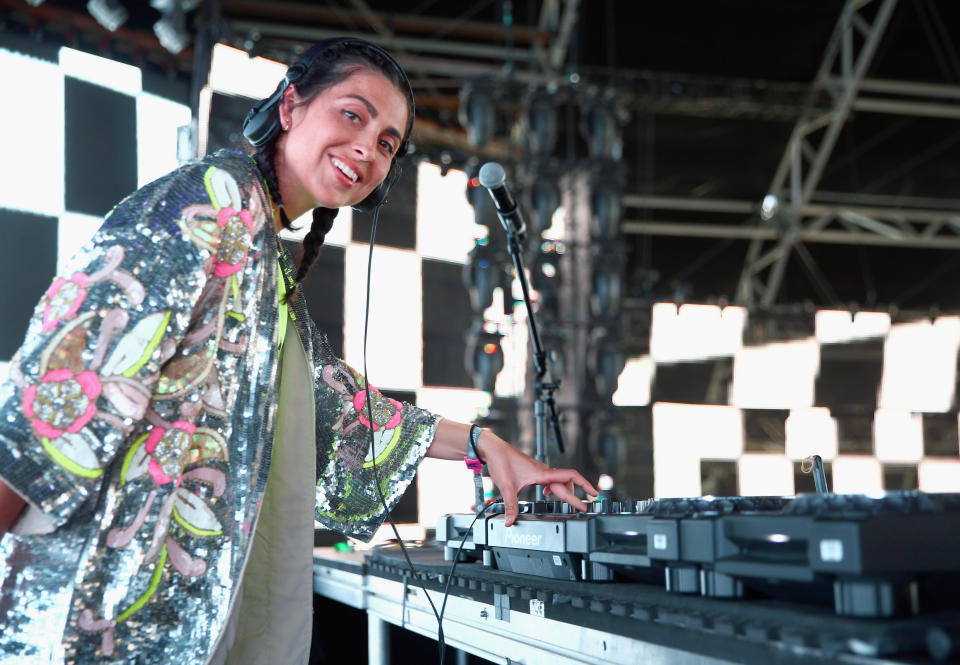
(365, 145)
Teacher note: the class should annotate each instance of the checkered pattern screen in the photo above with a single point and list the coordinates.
(877, 401)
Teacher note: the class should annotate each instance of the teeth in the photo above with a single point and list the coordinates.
(347, 171)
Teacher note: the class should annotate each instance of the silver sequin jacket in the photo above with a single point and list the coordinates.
(138, 419)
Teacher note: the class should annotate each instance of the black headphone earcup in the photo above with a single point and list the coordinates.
(378, 196)
(261, 124)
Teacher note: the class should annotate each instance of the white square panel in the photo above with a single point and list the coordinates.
(898, 435)
(633, 386)
(811, 431)
(920, 365)
(104, 72)
(446, 226)
(158, 120)
(683, 434)
(695, 332)
(32, 171)
(395, 342)
(234, 72)
(775, 376)
(857, 474)
(73, 231)
(765, 475)
(939, 475)
(832, 325)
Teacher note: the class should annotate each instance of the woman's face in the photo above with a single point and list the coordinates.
(339, 147)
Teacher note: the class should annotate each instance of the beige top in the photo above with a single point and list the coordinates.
(272, 618)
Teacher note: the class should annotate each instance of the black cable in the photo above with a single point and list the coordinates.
(441, 642)
(373, 449)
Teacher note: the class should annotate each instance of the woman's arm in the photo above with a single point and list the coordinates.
(509, 468)
(11, 505)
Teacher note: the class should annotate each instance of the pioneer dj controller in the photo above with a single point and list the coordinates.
(894, 554)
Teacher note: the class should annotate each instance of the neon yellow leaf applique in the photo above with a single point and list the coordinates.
(135, 348)
(194, 515)
(384, 441)
(74, 452)
(222, 189)
(135, 461)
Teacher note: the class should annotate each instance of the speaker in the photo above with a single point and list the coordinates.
(262, 123)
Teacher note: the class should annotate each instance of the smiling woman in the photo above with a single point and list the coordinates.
(174, 423)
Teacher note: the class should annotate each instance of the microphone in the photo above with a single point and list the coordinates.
(494, 178)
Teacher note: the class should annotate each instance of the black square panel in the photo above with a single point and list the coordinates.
(849, 374)
(323, 287)
(101, 147)
(900, 477)
(446, 319)
(718, 477)
(28, 262)
(940, 434)
(854, 430)
(703, 382)
(765, 430)
(405, 512)
(397, 226)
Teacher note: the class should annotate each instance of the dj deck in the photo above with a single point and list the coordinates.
(816, 579)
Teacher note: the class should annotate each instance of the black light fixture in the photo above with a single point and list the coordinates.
(478, 112)
(605, 212)
(542, 123)
(543, 197)
(606, 362)
(484, 357)
(171, 29)
(545, 279)
(600, 127)
(483, 273)
(607, 278)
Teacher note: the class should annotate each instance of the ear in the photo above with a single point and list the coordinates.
(291, 98)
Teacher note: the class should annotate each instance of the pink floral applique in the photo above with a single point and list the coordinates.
(386, 411)
(168, 450)
(64, 298)
(62, 402)
(236, 230)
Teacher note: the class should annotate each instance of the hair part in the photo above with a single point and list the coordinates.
(333, 65)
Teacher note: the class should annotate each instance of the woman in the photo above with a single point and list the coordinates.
(170, 496)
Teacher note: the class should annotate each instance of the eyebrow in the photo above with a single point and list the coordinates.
(372, 110)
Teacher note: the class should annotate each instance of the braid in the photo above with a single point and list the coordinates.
(313, 241)
(264, 158)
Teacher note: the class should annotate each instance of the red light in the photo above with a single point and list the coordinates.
(473, 182)
(490, 348)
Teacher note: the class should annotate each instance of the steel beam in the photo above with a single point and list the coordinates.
(805, 158)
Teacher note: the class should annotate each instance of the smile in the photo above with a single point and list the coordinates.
(344, 169)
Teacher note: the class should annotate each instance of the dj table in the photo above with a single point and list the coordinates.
(508, 617)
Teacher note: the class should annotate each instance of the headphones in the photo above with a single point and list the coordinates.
(263, 120)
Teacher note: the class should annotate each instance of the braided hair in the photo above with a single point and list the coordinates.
(332, 66)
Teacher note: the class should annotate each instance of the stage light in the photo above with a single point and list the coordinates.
(542, 124)
(606, 295)
(109, 13)
(601, 129)
(543, 200)
(606, 362)
(482, 273)
(484, 357)
(477, 113)
(605, 209)
(544, 277)
(171, 29)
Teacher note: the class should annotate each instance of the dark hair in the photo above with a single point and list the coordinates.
(332, 65)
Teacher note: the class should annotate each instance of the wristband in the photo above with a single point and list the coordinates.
(472, 451)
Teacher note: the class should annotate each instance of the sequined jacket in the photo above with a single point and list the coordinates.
(138, 418)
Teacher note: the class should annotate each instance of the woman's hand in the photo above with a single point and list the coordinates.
(513, 470)
(509, 468)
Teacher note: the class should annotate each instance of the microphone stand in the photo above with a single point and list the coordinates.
(544, 405)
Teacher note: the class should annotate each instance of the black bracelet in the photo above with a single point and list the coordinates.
(475, 431)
